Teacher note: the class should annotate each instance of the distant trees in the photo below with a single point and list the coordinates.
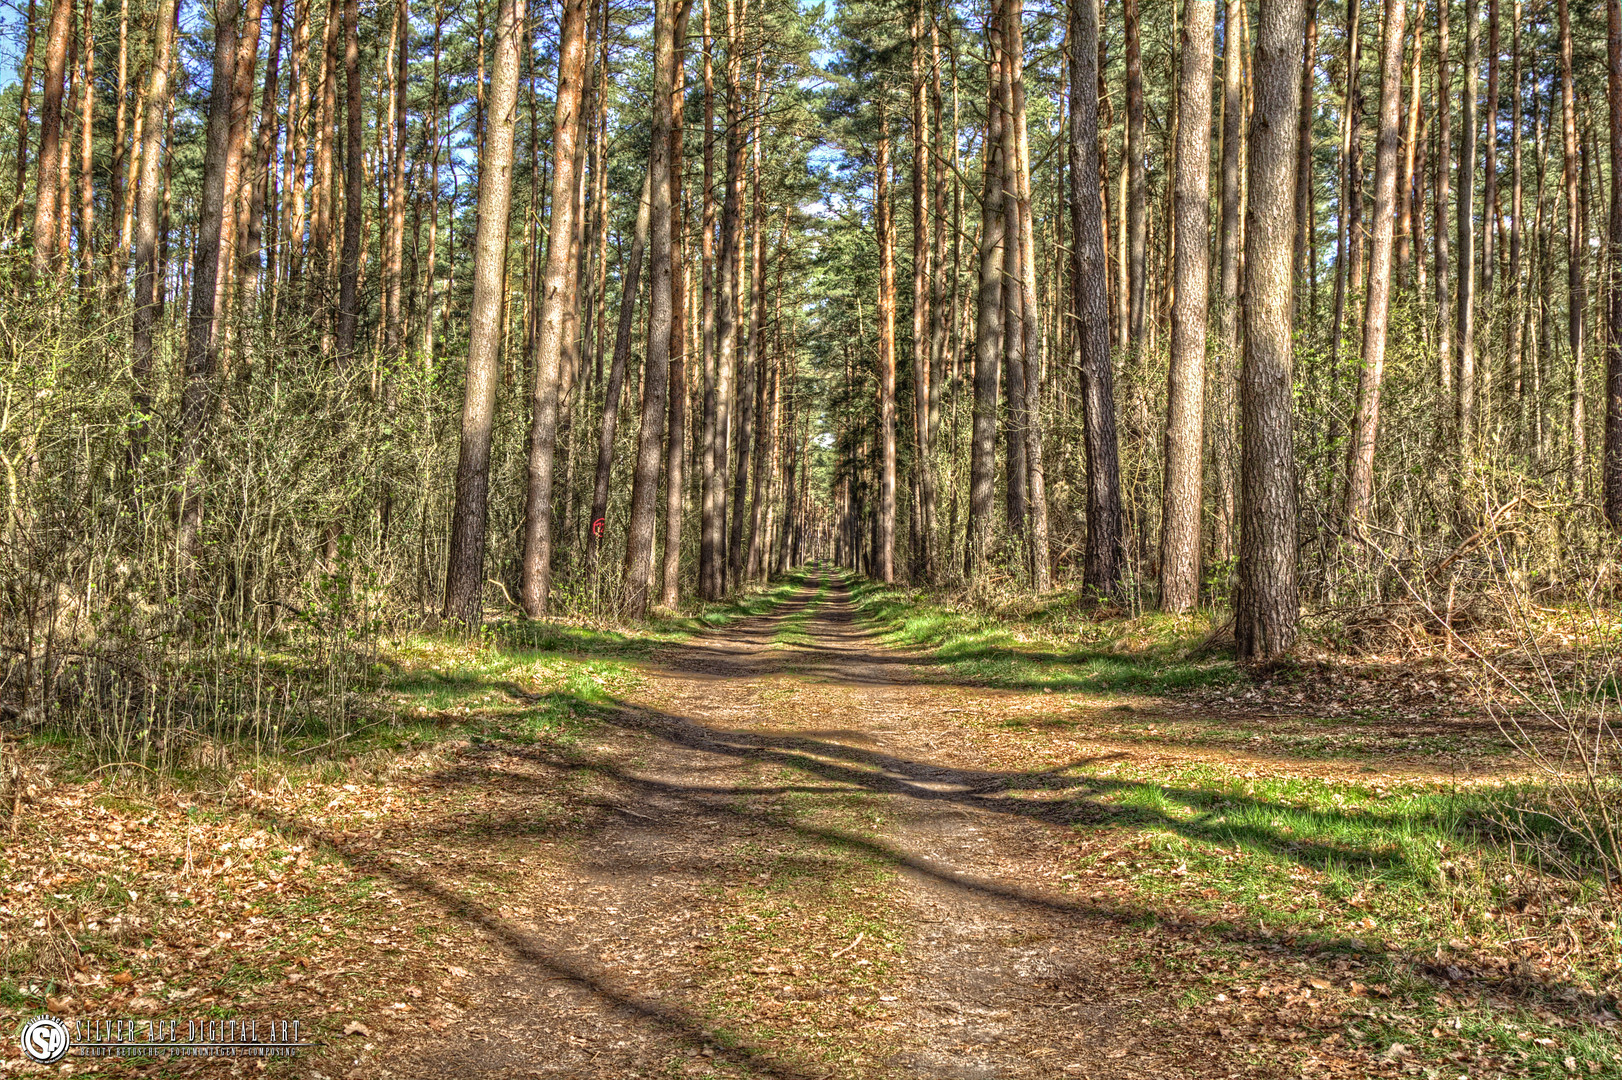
(885, 313)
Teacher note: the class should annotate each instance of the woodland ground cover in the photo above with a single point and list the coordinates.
(1362, 838)
(1351, 899)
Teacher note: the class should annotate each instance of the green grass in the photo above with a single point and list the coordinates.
(1053, 648)
(1359, 877)
(793, 629)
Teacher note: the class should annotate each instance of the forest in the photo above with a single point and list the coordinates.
(1223, 397)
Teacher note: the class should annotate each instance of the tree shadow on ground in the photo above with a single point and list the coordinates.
(546, 774)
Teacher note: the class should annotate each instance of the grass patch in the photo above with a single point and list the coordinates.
(1054, 647)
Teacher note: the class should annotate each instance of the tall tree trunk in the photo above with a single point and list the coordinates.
(1015, 467)
(1409, 180)
(1031, 367)
(64, 165)
(87, 129)
(556, 299)
(988, 336)
(241, 107)
(394, 329)
(924, 321)
(294, 157)
(1444, 169)
(1377, 307)
(710, 426)
(728, 269)
(1464, 372)
(765, 418)
(752, 355)
(630, 283)
(428, 341)
(1514, 283)
(885, 570)
(675, 487)
(655, 385)
(322, 212)
(1491, 220)
(1185, 394)
(349, 261)
(1136, 176)
(943, 298)
(213, 210)
(1348, 212)
(1576, 297)
(1231, 180)
(1220, 433)
(149, 196)
(116, 193)
(1101, 569)
(47, 185)
(1612, 465)
(264, 149)
(1268, 605)
(24, 95)
(464, 579)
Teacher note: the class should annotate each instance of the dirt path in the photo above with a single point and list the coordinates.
(784, 858)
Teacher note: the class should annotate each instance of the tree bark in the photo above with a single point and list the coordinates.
(116, 193)
(1305, 193)
(883, 226)
(630, 283)
(1612, 466)
(1377, 306)
(149, 196)
(349, 261)
(711, 427)
(24, 95)
(1348, 213)
(1409, 181)
(924, 322)
(1101, 568)
(1576, 297)
(394, 329)
(1512, 329)
(1136, 176)
(751, 359)
(675, 487)
(1030, 414)
(213, 212)
(1269, 603)
(87, 128)
(1439, 226)
(464, 579)
(728, 269)
(1491, 219)
(1185, 394)
(988, 336)
(264, 148)
(47, 185)
(1233, 119)
(1015, 469)
(322, 211)
(655, 385)
(556, 299)
(1464, 372)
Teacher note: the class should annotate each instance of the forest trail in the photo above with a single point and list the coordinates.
(797, 864)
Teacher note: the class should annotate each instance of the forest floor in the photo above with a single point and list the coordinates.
(816, 843)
